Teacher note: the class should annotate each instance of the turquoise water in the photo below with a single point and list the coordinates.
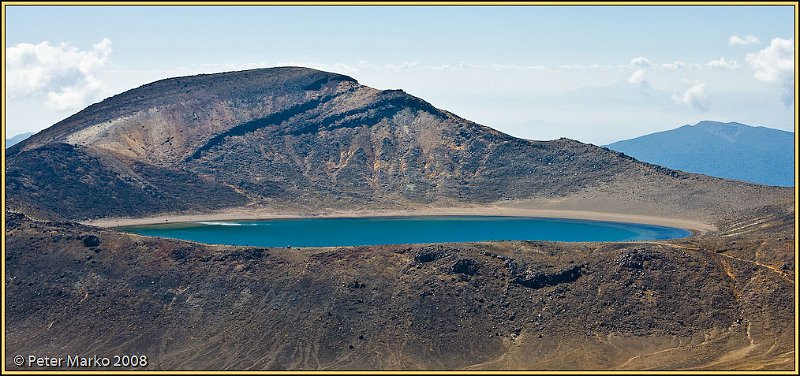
(402, 230)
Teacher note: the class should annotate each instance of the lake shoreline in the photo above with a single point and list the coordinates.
(696, 227)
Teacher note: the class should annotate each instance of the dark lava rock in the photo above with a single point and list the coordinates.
(633, 259)
(536, 280)
(356, 285)
(465, 266)
(180, 254)
(14, 219)
(428, 255)
(243, 255)
(91, 241)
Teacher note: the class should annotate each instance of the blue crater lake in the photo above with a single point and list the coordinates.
(330, 232)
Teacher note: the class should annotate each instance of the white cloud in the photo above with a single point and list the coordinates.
(581, 66)
(723, 64)
(600, 66)
(696, 96)
(404, 66)
(73, 97)
(775, 64)
(676, 65)
(572, 66)
(445, 67)
(641, 62)
(638, 76)
(340, 68)
(410, 65)
(720, 64)
(230, 67)
(466, 65)
(63, 74)
(736, 40)
(504, 67)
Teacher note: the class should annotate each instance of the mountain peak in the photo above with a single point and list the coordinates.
(719, 124)
(264, 89)
(246, 80)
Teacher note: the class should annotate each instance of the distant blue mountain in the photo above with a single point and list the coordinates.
(727, 150)
(17, 139)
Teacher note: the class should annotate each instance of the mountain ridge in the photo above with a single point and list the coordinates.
(727, 150)
(308, 137)
(17, 139)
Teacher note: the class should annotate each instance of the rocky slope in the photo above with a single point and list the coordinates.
(721, 301)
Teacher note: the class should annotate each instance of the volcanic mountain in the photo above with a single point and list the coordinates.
(304, 141)
(291, 136)
(727, 150)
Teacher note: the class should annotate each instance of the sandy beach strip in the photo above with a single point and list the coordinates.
(256, 214)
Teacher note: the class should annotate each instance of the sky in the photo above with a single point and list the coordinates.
(597, 74)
